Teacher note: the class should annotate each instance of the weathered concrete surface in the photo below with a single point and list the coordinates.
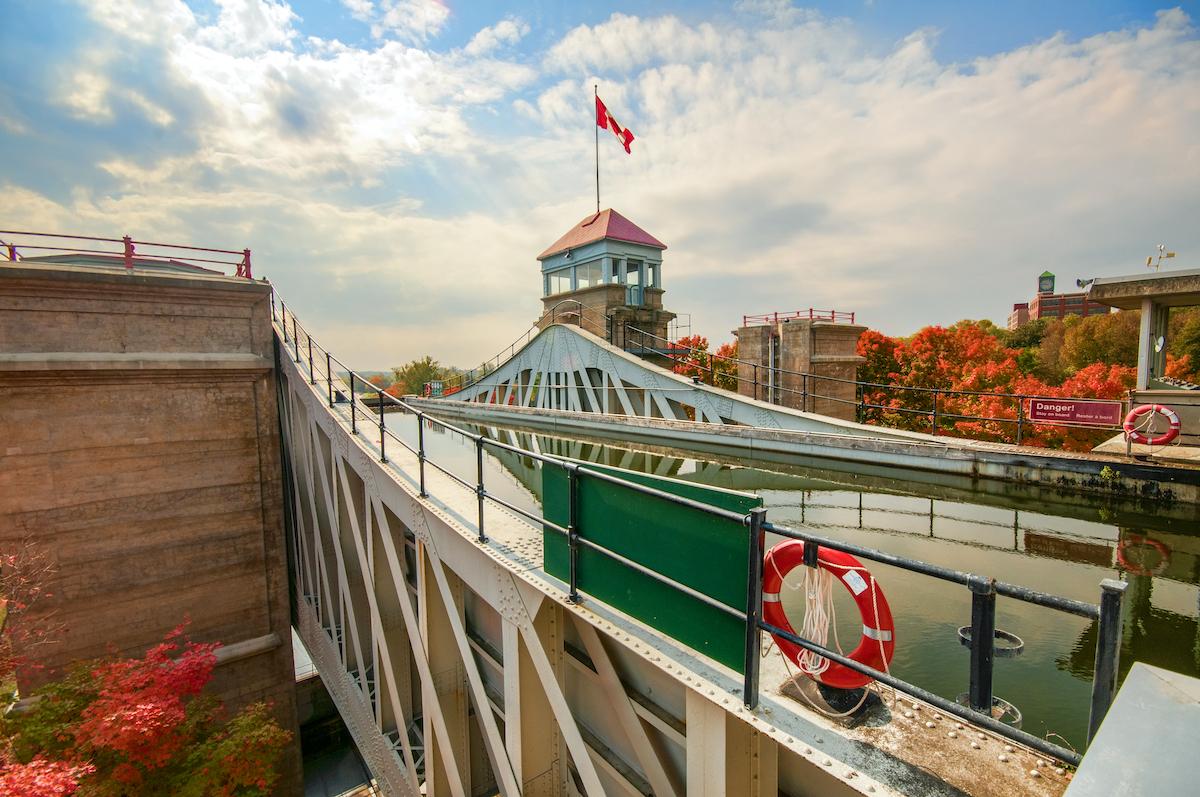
(139, 448)
(1147, 742)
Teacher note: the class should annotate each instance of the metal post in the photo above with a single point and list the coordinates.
(804, 392)
(812, 551)
(296, 337)
(935, 412)
(283, 320)
(479, 483)
(353, 415)
(1108, 651)
(128, 252)
(755, 381)
(1020, 419)
(573, 531)
(754, 564)
(421, 450)
(312, 375)
(382, 427)
(983, 641)
(328, 374)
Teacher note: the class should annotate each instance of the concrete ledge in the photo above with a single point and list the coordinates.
(1096, 473)
(133, 361)
(227, 654)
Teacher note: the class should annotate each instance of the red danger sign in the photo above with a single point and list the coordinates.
(1096, 413)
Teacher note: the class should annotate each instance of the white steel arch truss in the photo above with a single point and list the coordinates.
(565, 367)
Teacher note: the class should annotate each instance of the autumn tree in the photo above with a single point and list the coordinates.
(1111, 338)
(690, 357)
(132, 727)
(410, 379)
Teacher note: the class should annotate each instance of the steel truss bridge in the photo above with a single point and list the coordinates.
(463, 663)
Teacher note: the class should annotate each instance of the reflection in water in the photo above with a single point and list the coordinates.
(1058, 543)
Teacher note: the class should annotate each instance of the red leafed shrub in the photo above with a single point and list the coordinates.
(124, 727)
(42, 778)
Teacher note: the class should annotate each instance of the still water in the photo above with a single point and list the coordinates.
(1059, 543)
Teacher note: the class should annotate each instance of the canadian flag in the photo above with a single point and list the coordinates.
(605, 119)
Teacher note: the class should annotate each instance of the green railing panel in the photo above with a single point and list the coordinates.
(703, 551)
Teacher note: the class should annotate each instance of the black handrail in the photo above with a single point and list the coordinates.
(465, 379)
(1106, 613)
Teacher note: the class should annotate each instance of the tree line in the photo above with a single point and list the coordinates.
(1093, 357)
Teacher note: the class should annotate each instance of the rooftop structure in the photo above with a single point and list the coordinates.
(1154, 295)
(610, 270)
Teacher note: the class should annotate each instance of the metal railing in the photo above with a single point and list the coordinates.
(563, 312)
(769, 388)
(834, 316)
(128, 255)
(983, 590)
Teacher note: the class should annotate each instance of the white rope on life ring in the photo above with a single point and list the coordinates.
(1135, 435)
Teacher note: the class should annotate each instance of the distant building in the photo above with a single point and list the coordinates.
(1048, 304)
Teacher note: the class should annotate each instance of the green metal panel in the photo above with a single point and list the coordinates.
(703, 551)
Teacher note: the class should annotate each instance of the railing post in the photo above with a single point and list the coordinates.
(296, 337)
(754, 564)
(382, 427)
(1020, 419)
(573, 531)
(479, 493)
(862, 403)
(804, 392)
(1108, 651)
(283, 320)
(128, 252)
(328, 374)
(983, 641)
(353, 414)
(312, 375)
(421, 451)
(755, 381)
(935, 412)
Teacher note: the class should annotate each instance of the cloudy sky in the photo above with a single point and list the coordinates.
(396, 165)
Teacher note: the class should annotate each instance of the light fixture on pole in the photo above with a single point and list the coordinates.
(1156, 264)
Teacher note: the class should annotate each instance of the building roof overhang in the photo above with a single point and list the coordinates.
(607, 224)
(1165, 288)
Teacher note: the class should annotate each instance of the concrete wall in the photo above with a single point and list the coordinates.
(823, 350)
(602, 301)
(140, 451)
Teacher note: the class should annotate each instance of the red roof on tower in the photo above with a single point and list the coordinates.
(598, 226)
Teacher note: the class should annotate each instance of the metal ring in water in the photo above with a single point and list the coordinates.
(1014, 647)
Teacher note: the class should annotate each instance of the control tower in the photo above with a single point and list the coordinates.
(613, 269)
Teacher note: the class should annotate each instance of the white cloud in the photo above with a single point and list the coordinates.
(412, 21)
(250, 26)
(504, 32)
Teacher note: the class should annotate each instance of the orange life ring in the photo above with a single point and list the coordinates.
(1135, 436)
(878, 642)
(1137, 540)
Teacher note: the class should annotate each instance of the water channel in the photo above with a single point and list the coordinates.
(1058, 542)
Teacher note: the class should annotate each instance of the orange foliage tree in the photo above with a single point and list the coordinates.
(963, 368)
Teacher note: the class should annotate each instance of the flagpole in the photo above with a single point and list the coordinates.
(596, 128)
